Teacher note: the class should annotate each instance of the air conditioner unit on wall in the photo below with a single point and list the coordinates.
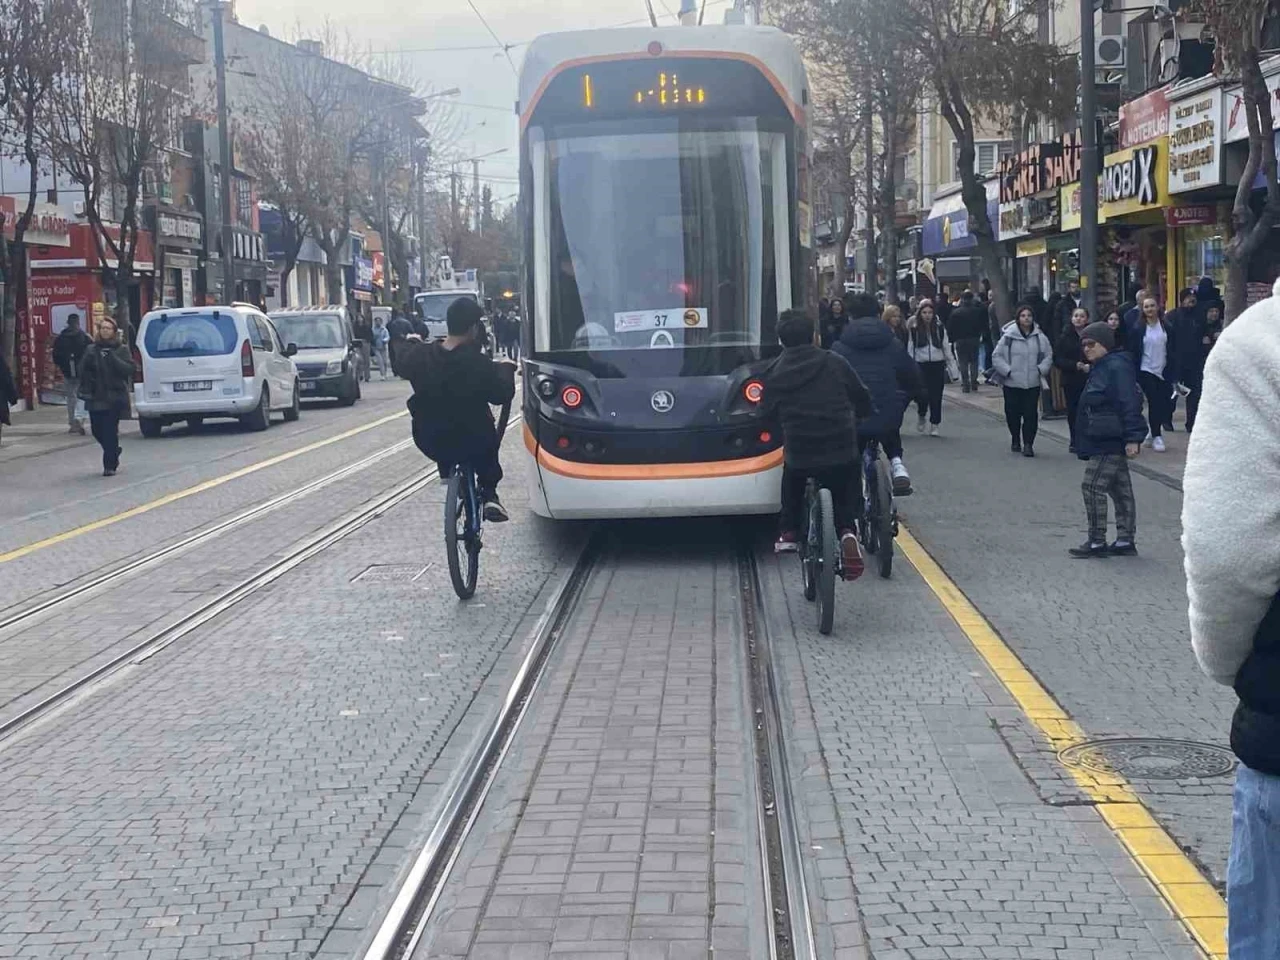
(1109, 52)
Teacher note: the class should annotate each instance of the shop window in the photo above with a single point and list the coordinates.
(1204, 254)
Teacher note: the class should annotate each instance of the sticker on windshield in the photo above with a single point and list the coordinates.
(676, 318)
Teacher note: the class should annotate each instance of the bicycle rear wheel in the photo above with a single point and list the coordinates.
(809, 549)
(883, 507)
(461, 546)
(826, 572)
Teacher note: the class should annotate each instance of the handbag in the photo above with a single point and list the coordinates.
(953, 367)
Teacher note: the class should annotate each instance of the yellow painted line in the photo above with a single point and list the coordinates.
(177, 495)
(1191, 897)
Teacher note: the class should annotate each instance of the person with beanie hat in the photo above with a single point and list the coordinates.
(1109, 430)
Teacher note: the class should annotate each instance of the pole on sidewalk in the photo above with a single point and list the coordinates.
(217, 8)
(872, 277)
(1088, 165)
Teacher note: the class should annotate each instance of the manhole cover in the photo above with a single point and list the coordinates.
(391, 573)
(1151, 759)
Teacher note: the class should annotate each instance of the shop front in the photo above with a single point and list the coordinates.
(362, 281)
(1135, 252)
(249, 250)
(1031, 184)
(1199, 187)
(179, 245)
(948, 242)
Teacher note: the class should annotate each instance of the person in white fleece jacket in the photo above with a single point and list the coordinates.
(1231, 541)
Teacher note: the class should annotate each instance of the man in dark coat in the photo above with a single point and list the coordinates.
(966, 328)
(68, 350)
(106, 376)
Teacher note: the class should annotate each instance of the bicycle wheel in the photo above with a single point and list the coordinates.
(809, 549)
(461, 546)
(826, 572)
(883, 507)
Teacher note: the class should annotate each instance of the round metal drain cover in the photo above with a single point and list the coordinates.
(1151, 759)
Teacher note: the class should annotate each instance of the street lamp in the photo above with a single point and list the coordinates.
(475, 182)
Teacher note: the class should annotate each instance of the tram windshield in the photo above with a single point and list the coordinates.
(659, 234)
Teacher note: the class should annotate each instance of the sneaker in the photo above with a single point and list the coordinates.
(851, 555)
(1089, 550)
(935, 430)
(108, 473)
(786, 543)
(920, 425)
(901, 479)
(1015, 446)
(1027, 451)
(1123, 548)
(1158, 444)
(494, 511)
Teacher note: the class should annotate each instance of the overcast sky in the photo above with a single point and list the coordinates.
(448, 46)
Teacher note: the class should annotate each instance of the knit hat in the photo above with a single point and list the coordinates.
(1100, 333)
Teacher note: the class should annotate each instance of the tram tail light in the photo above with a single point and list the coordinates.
(571, 397)
(563, 443)
(753, 391)
(765, 436)
(246, 359)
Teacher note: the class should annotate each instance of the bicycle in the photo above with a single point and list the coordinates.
(464, 521)
(820, 559)
(878, 525)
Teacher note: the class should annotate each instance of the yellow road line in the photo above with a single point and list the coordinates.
(1191, 897)
(177, 495)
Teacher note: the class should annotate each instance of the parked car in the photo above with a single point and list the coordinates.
(328, 354)
(192, 363)
(432, 305)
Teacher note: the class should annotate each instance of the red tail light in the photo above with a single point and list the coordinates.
(246, 359)
(753, 391)
(571, 397)
(137, 365)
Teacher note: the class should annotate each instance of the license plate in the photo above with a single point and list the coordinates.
(306, 387)
(186, 386)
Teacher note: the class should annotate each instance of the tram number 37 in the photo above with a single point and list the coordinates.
(690, 318)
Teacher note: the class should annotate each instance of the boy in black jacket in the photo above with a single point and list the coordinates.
(816, 399)
(453, 385)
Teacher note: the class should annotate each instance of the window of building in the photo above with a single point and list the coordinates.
(987, 155)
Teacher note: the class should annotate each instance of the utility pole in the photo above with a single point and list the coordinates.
(1088, 165)
(475, 193)
(216, 9)
(872, 279)
(455, 219)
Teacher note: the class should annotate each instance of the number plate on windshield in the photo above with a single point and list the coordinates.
(677, 318)
(185, 386)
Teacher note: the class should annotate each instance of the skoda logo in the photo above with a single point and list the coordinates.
(662, 401)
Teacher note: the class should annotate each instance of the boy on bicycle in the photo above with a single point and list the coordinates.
(816, 399)
(453, 385)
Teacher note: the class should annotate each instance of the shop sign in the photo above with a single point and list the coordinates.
(1134, 180)
(1069, 207)
(1013, 220)
(1235, 123)
(947, 228)
(48, 228)
(186, 231)
(1040, 167)
(364, 273)
(1195, 141)
(1042, 212)
(1190, 215)
(1037, 247)
(1145, 118)
(379, 270)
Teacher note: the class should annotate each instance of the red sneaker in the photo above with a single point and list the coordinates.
(786, 542)
(851, 555)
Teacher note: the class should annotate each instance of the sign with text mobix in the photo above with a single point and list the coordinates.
(1195, 141)
(1135, 180)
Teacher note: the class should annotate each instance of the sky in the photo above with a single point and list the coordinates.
(448, 45)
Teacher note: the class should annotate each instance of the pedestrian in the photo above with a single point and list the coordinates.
(929, 346)
(1190, 334)
(513, 321)
(106, 373)
(1133, 314)
(68, 351)
(399, 329)
(893, 317)
(363, 331)
(966, 327)
(1108, 434)
(381, 344)
(834, 326)
(1022, 359)
(1231, 546)
(1155, 357)
(8, 393)
(1061, 319)
(1068, 357)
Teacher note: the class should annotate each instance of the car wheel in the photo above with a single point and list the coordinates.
(294, 410)
(260, 419)
(150, 427)
(351, 394)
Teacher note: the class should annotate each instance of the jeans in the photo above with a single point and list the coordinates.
(1108, 475)
(842, 479)
(482, 455)
(105, 425)
(1022, 413)
(1253, 868)
(935, 372)
(967, 354)
(380, 354)
(73, 400)
(890, 442)
(1159, 394)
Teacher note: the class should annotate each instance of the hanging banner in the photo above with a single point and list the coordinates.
(1195, 141)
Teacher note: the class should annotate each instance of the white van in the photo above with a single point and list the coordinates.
(198, 362)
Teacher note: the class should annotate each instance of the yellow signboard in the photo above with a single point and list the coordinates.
(1069, 205)
(1135, 180)
(1036, 247)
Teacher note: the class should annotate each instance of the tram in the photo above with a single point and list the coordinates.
(663, 187)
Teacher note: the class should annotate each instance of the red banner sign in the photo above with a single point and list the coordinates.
(1145, 118)
(1190, 215)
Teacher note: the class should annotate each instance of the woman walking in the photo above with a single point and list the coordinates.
(1155, 357)
(1022, 360)
(893, 317)
(928, 345)
(1071, 364)
(106, 373)
(834, 323)
(381, 342)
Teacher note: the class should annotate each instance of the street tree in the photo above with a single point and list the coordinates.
(836, 135)
(114, 115)
(1238, 27)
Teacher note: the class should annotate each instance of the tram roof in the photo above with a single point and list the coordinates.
(767, 48)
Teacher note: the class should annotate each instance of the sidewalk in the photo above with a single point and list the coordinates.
(43, 430)
(1165, 467)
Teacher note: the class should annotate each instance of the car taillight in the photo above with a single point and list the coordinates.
(571, 397)
(246, 359)
(753, 391)
(137, 365)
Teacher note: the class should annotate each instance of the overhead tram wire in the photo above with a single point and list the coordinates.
(506, 50)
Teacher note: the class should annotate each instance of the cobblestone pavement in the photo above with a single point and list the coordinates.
(623, 823)
(246, 792)
(1109, 639)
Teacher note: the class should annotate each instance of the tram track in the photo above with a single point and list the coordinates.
(788, 917)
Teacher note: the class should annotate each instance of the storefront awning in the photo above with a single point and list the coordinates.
(946, 230)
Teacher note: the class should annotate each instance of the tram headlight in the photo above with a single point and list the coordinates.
(753, 391)
(571, 397)
(546, 388)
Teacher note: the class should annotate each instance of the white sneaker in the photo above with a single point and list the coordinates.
(898, 469)
(920, 425)
(1149, 439)
(935, 430)
(1158, 444)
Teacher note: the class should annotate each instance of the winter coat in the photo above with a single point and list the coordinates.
(928, 344)
(816, 399)
(1061, 319)
(106, 377)
(1190, 331)
(452, 390)
(1021, 360)
(8, 391)
(1066, 354)
(1135, 343)
(1110, 411)
(399, 328)
(381, 336)
(891, 377)
(968, 322)
(832, 327)
(68, 349)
